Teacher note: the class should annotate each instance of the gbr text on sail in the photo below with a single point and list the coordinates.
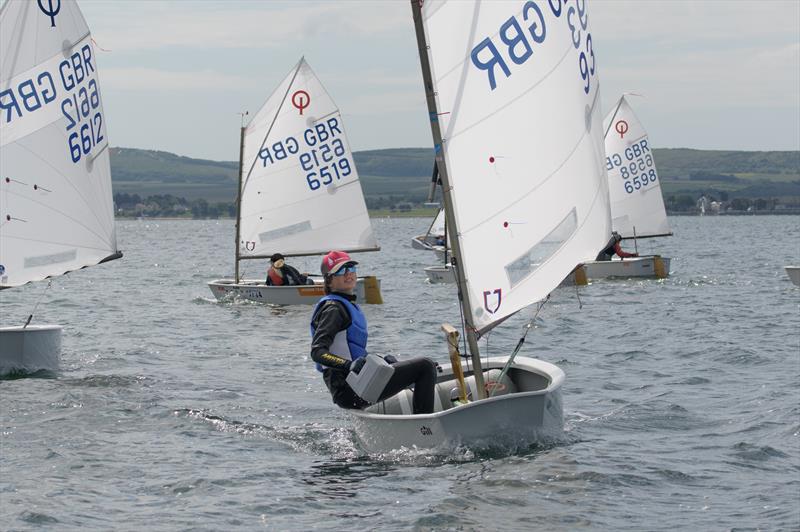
(62, 89)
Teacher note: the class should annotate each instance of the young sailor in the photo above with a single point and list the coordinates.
(614, 248)
(339, 342)
(280, 273)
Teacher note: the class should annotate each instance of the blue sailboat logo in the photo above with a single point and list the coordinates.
(52, 9)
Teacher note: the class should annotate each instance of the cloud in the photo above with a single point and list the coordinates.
(137, 26)
(754, 77)
(728, 23)
(150, 79)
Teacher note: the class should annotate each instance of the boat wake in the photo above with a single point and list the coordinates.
(340, 443)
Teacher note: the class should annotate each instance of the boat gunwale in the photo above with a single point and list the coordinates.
(550, 371)
(257, 283)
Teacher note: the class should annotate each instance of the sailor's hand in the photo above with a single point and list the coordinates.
(390, 359)
(357, 364)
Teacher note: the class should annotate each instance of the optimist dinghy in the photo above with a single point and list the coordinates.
(515, 241)
(56, 209)
(299, 191)
(637, 205)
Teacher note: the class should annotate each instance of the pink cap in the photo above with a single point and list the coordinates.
(333, 261)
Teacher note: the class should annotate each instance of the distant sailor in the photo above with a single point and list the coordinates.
(614, 248)
(280, 273)
(339, 342)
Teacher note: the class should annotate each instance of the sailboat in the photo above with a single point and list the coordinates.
(429, 241)
(519, 145)
(442, 273)
(637, 205)
(299, 192)
(56, 208)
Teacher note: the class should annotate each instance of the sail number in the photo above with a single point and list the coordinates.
(516, 44)
(66, 85)
(320, 151)
(82, 114)
(635, 166)
(325, 163)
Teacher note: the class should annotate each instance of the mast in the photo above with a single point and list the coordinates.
(450, 219)
(434, 181)
(239, 198)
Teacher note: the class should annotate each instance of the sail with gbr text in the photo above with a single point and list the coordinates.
(300, 190)
(637, 206)
(517, 94)
(56, 209)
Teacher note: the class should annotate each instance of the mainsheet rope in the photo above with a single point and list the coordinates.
(30, 317)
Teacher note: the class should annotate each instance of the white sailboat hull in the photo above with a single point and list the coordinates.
(440, 274)
(367, 291)
(30, 349)
(528, 412)
(794, 274)
(440, 252)
(652, 266)
(422, 242)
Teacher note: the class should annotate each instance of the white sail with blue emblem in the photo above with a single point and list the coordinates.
(300, 192)
(517, 110)
(56, 208)
(637, 205)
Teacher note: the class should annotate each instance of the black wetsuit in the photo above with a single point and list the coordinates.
(332, 318)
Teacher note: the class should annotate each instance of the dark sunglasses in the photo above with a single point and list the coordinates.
(346, 269)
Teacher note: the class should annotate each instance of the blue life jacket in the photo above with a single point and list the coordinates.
(350, 343)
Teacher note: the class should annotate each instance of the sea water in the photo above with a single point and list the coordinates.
(174, 411)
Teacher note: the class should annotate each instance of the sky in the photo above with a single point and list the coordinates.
(175, 75)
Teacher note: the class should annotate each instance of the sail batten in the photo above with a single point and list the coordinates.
(516, 92)
(302, 195)
(55, 193)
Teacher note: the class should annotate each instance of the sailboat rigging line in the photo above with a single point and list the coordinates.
(521, 341)
(619, 104)
(274, 119)
(30, 316)
(465, 353)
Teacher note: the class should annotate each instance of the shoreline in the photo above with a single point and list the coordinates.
(380, 214)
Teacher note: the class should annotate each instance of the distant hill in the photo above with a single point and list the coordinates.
(403, 174)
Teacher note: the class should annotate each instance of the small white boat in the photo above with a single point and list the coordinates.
(634, 188)
(430, 240)
(368, 290)
(650, 266)
(525, 407)
(794, 274)
(513, 242)
(55, 194)
(299, 191)
(443, 274)
(25, 350)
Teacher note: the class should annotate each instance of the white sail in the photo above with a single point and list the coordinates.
(516, 89)
(637, 206)
(56, 209)
(300, 189)
(437, 227)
